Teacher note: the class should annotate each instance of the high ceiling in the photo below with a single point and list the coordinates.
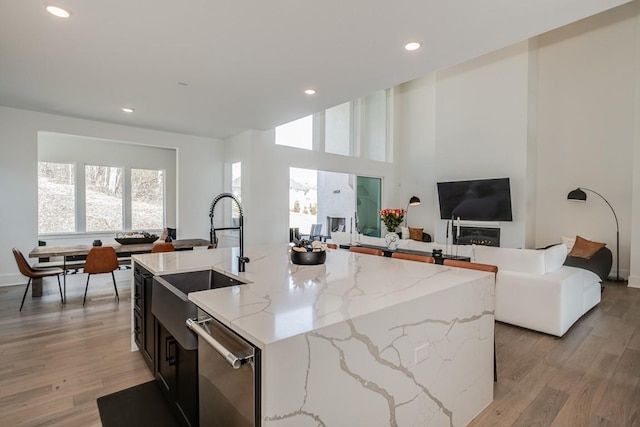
(214, 68)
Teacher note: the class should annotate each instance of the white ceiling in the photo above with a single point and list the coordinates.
(246, 62)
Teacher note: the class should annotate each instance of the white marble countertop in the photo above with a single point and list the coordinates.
(281, 300)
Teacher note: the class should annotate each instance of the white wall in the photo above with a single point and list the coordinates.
(481, 128)
(467, 122)
(552, 113)
(414, 151)
(634, 277)
(199, 176)
(265, 180)
(586, 124)
(80, 150)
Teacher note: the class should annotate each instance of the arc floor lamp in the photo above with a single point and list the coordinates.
(579, 195)
(413, 201)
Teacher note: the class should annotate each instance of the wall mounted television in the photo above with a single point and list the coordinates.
(476, 200)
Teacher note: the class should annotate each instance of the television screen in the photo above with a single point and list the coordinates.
(476, 200)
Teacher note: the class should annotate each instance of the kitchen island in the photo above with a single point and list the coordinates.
(359, 340)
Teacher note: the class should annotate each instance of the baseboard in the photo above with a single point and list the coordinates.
(12, 279)
(634, 282)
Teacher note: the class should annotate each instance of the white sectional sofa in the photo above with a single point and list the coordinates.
(534, 289)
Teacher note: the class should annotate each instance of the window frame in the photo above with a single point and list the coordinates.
(357, 123)
(81, 200)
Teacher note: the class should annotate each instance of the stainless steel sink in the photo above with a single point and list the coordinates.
(170, 305)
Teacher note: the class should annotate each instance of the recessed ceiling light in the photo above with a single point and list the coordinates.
(58, 11)
(310, 91)
(128, 109)
(412, 46)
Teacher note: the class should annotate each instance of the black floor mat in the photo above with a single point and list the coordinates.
(139, 406)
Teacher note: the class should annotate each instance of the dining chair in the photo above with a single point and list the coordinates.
(163, 247)
(368, 251)
(413, 257)
(482, 267)
(315, 233)
(101, 259)
(35, 273)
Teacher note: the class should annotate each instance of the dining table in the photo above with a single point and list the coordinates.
(71, 253)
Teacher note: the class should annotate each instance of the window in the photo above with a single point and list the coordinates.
(359, 128)
(298, 133)
(373, 108)
(303, 198)
(236, 187)
(147, 199)
(97, 186)
(56, 197)
(337, 130)
(103, 196)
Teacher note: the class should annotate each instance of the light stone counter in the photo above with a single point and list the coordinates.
(359, 340)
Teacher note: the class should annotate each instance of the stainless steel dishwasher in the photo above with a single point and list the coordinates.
(228, 375)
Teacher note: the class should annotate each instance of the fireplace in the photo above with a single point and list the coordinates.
(335, 223)
(486, 236)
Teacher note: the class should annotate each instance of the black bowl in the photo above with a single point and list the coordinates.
(308, 258)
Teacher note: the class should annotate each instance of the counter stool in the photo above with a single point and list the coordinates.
(368, 251)
(413, 257)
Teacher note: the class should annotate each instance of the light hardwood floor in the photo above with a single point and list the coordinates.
(55, 361)
(589, 377)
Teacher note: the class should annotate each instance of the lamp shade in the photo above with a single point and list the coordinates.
(414, 201)
(577, 195)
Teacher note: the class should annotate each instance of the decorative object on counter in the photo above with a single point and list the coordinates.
(392, 218)
(134, 237)
(392, 240)
(413, 201)
(306, 252)
(579, 195)
(97, 242)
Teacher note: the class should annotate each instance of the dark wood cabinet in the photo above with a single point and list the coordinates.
(143, 318)
(175, 368)
(177, 373)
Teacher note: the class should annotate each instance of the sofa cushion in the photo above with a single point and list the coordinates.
(554, 257)
(521, 260)
(584, 248)
(529, 261)
(415, 234)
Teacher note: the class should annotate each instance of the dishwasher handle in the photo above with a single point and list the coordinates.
(233, 360)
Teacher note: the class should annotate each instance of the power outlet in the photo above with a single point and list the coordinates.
(422, 353)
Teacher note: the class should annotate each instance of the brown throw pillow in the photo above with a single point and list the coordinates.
(415, 234)
(584, 248)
